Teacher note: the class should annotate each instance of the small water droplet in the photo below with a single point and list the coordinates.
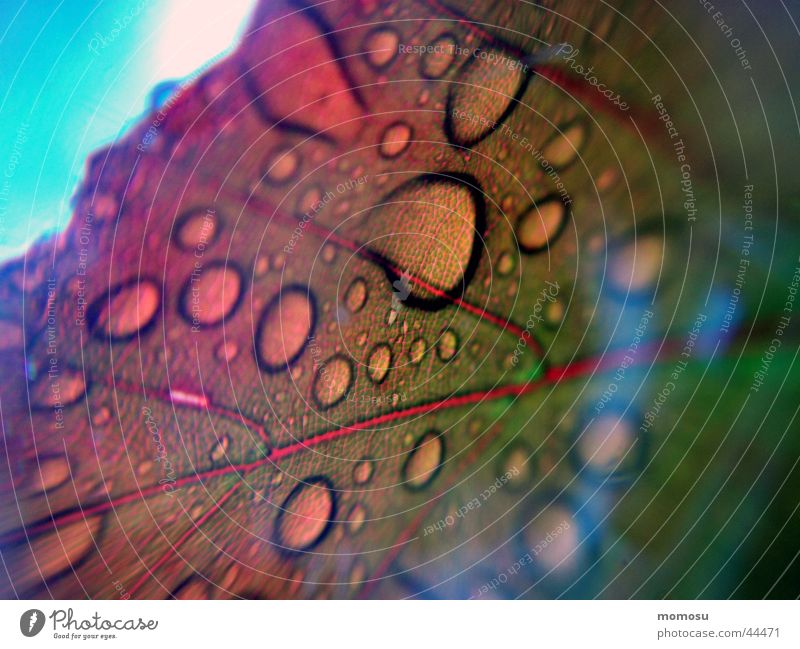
(380, 47)
(212, 294)
(362, 472)
(227, 351)
(220, 449)
(606, 446)
(379, 362)
(132, 307)
(48, 473)
(505, 263)
(424, 461)
(59, 390)
(356, 518)
(540, 225)
(554, 532)
(356, 295)
(333, 380)
(395, 139)
(281, 165)
(438, 59)
(447, 346)
(328, 253)
(565, 146)
(417, 351)
(197, 229)
(635, 265)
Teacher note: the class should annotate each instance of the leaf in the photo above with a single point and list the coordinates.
(337, 320)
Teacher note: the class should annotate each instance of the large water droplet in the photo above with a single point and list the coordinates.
(424, 462)
(428, 231)
(132, 307)
(333, 380)
(211, 294)
(306, 515)
(483, 97)
(284, 328)
(541, 225)
(379, 362)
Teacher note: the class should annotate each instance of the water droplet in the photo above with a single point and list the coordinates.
(395, 139)
(196, 230)
(447, 345)
(305, 516)
(227, 351)
(565, 146)
(261, 267)
(606, 446)
(436, 62)
(356, 518)
(429, 228)
(102, 416)
(417, 351)
(328, 253)
(133, 307)
(553, 535)
(518, 464)
(310, 201)
(362, 472)
(380, 360)
(284, 328)
(281, 165)
(220, 449)
(211, 294)
(554, 313)
(48, 473)
(541, 225)
(356, 295)
(380, 47)
(424, 462)
(634, 266)
(333, 380)
(505, 263)
(59, 390)
(483, 97)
